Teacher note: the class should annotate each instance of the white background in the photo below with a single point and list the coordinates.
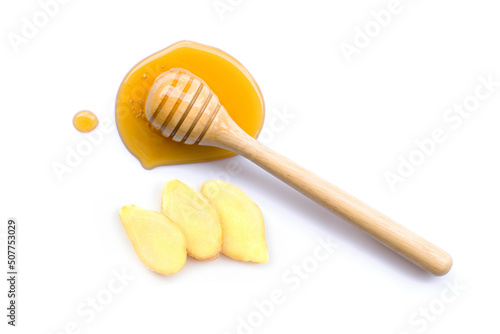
(352, 121)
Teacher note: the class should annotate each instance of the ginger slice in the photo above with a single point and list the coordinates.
(196, 217)
(243, 234)
(157, 241)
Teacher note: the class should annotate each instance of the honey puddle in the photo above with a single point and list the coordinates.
(85, 121)
(229, 80)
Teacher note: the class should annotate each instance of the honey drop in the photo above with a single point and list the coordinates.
(85, 121)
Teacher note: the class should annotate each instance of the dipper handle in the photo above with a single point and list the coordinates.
(395, 236)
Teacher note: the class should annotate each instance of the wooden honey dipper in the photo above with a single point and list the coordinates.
(183, 108)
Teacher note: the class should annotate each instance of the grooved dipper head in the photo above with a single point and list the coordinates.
(181, 106)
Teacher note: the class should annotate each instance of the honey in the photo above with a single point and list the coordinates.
(85, 121)
(227, 78)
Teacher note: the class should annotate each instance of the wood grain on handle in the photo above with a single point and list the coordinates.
(408, 244)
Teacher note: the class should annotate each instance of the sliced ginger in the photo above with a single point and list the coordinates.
(222, 218)
(243, 235)
(196, 217)
(157, 241)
